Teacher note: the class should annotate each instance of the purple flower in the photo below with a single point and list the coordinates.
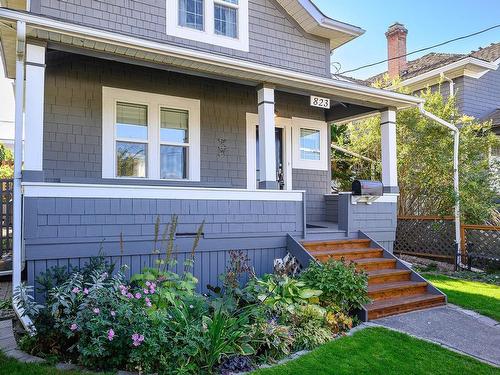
(130, 295)
(138, 295)
(148, 302)
(111, 335)
(85, 291)
(148, 283)
(137, 339)
(112, 313)
(96, 310)
(75, 290)
(146, 291)
(73, 327)
(152, 290)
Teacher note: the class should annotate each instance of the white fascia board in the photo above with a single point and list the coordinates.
(292, 78)
(469, 66)
(66, 190)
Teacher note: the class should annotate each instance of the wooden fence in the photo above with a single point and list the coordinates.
(6, 196)
(434, 237)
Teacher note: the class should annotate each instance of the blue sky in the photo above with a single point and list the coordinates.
(428, 22)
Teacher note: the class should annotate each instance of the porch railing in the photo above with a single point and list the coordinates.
(6, 200)
(433, 237)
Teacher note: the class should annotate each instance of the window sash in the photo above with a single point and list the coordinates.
(138, 166)
(226, 19)
(197, 14)
(310, 148)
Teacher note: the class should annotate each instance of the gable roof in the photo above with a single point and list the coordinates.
(435, 60)
(315, 22)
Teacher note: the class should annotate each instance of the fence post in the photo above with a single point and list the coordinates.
(463, 243)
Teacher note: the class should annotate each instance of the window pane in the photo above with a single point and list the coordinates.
(191, 13)
(174, 125)
(173, 162)
(131, 159)
(226, 21)
(131, 121)
(309, 144)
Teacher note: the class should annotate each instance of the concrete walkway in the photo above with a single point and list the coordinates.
(457, 329)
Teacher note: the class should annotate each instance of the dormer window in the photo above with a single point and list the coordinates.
(223, 23)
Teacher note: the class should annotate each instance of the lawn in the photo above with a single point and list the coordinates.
(472, 295)
(380, 351)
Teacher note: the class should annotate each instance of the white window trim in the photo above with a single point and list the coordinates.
(208, 34)
(110, 96)
(252, 120)
(302, 123)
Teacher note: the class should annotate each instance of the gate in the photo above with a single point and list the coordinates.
(7, 208)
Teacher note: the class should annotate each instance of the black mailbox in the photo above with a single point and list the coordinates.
(367, 187)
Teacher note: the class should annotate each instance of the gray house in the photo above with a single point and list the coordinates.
(214, 110)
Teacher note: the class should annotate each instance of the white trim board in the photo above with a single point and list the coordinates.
(298, 162)
(63, 190)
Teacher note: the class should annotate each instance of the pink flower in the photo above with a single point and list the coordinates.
(73, 327)
(137, 339)
(130, 295)
(153, 285)
(138, 295)
(96, 310)
(75, 290)
(152, 290)
(146, 291)
(85, 291)
(112, 313)
(148, 302)
(148, 283)
(111, 334)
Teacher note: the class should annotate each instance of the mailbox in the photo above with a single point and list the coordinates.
(367, 187)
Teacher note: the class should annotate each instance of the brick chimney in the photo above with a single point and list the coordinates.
(396, 46)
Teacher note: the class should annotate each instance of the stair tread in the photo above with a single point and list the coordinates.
(387, 272)
(401, 301)
(335, 242)
(346, 251)
(373, 260)
(395, 285)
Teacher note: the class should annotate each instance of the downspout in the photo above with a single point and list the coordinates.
(451, 82)
(456, 144)
(18, 164)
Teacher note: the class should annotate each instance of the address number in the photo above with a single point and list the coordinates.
(317, 101)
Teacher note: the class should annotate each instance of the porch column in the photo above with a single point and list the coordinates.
(267, 141)
(389, 155)
(34, 108)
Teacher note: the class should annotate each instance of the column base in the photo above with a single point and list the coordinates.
(268, 185)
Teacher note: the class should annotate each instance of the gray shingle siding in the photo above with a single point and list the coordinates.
(316, 183)
(481, 96)
(73, 118)
(274, 37)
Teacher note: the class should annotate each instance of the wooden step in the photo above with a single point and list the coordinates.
(396, 289)
(348, 254)
(336, 244)
(369, 264)
(388, 275)
(386, 307)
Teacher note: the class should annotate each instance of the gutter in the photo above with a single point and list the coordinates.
(84, 32)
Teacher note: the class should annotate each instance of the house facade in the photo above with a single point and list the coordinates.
(213, 110)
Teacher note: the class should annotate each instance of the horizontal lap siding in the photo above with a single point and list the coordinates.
(377, 220)
(274, 38)
(67, 231)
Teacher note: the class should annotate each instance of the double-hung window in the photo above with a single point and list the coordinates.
(310, 144)
(219, 22)
(150, 136)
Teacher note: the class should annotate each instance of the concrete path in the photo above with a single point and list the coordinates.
(457, 329)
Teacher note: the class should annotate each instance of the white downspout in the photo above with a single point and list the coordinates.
(456, 144)
(18, 164)
(451, 82)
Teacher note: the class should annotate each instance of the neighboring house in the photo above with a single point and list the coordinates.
(473, 77)
(6, 110)
(200, 108)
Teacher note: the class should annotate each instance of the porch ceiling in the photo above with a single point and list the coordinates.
(169, 56)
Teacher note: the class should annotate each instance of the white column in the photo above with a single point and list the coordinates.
(267, 141)
(35, 86)
(389, 151)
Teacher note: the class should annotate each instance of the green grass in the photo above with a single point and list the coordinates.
(380, 351)
(472, 295)
(10, 366)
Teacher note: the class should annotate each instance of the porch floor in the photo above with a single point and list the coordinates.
(322, 226)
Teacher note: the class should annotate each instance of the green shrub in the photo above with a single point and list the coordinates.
(342, 285)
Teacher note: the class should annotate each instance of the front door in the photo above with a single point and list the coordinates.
(283, 153)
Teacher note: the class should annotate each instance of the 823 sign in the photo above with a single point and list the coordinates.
(317, 101)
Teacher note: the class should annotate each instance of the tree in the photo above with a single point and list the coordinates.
(425, 160)
(6, 162)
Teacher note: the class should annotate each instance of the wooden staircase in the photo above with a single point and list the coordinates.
(392, 287)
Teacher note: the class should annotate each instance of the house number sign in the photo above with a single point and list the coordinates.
(317, 101)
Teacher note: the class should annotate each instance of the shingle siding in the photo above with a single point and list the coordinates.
(316, 183)
(274, 38)
(73, 118)
(481, 96)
